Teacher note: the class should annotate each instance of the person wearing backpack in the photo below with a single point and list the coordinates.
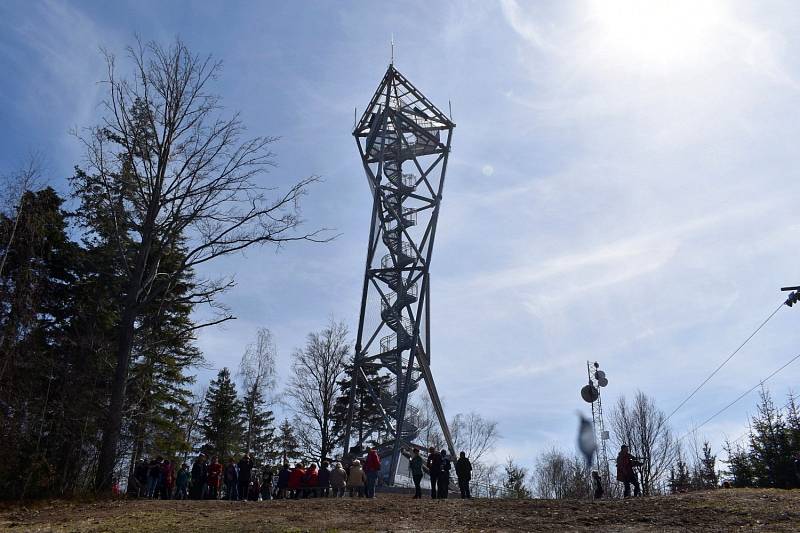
(443, 483)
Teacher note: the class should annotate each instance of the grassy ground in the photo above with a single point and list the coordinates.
(721, 510)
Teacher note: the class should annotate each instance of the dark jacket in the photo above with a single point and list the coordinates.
(283, 478)
(463, 468)
(434, 463)
(416, 465)
(324, 478)
(231, 474)
(445, 468)
(199, 472)
(245, 467)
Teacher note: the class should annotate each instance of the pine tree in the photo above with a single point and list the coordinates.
(740, 466)
(259, 428)
(288, 446)
(770, 454)
(222, 425)
(367, 414)
(514, 482)
(707, 469)
(679, 478)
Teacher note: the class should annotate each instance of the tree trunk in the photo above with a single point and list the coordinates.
(108, 451)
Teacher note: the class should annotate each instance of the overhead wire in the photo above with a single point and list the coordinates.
(751, 389)
(701, 385)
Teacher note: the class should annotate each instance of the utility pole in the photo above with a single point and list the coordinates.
(794, 297)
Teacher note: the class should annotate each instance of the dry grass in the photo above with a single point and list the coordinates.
(722, 510)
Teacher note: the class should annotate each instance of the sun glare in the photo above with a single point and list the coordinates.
(665, 32)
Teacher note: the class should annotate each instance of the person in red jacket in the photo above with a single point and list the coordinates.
(167, 480)
(310, 481)
(296, 480)
(372, 468)
(625, 472)
(214, 478)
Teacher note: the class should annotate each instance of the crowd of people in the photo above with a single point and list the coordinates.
(207, 479)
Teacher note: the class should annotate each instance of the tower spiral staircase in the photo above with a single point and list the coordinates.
(400, 128)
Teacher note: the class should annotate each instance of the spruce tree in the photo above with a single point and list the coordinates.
(514, 482)
(288, 446)
(259, 428)
(222, 425)
(367, 414)
(708, 468)
(770, 454)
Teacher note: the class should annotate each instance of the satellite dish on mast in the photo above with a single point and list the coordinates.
(599, 375)
(589, 393)
(602, 381)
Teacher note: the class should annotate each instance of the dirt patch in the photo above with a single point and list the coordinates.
(721, 510)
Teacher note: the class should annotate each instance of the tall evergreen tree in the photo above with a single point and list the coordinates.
(367, 413)
(223, 425)
(259, 428)
(770, 446)
(514, 484)
(707, 468)
(288, 446)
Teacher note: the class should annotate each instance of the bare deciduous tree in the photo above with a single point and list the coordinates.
(167, 175)
(643, 427)
(559, 476)
(257, 370)
(474, 435)
(312, 387)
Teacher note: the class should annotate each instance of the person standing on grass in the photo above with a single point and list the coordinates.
(434, 468)
(214, 479)
(625, 472)
(283, 482)
(310, 481)
(598, 485)
(356, 479)
(443, 483)
(167, 479)
(415, 465)
(267, 475)
(464, 475)
(245, 469)
(372, 468)
(296, 480)
(153, 477)
(338, 480)
(231, 481)
(182, 483)
(199, 477)
(324, 480)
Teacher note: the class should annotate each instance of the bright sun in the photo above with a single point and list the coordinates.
(665, 32)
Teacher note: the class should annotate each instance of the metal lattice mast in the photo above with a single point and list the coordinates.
(598, 380)
(404, 142)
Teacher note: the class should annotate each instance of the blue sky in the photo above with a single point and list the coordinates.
(622, 186)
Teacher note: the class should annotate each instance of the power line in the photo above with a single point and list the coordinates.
(764, 323)
(751, 389)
